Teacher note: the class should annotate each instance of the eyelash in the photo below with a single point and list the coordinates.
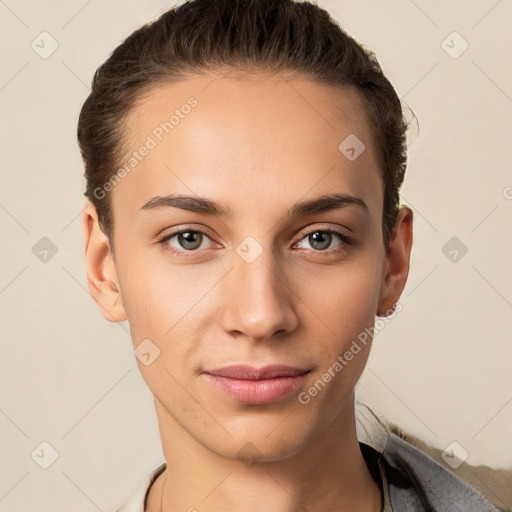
(344, 238)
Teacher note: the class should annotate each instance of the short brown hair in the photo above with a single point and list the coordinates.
(267, 36)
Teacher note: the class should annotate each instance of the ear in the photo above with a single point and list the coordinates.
(100, 266)
(396, 266)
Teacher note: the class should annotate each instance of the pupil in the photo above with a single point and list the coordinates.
(320, 237)
(189, 239)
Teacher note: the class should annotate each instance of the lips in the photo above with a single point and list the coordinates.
(245, 372)
(257, 386)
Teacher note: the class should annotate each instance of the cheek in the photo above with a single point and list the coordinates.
(345, 298)
(345, 302)
(167, 304)
(347, 307)
(155, 295)
(160, 308)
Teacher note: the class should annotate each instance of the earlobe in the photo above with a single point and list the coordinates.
(396, 265)
(100, 267)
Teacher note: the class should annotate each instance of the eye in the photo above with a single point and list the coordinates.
(186, 240)
(192, 240)
(321, 239)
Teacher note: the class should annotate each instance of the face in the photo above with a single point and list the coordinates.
(258, 267)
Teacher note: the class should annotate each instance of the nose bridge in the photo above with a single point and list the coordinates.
(258, 301)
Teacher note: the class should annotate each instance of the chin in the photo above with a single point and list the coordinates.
(258, 444)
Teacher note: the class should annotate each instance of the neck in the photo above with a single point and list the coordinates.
(329, 474)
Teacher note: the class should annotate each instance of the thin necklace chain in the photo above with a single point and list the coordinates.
(165, 481)
(163, 489)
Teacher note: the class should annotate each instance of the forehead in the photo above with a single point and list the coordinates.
(213, 134)
(307, 107)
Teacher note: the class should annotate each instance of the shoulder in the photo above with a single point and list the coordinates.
(416, 481)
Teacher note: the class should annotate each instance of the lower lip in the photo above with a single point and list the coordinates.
(257, 391)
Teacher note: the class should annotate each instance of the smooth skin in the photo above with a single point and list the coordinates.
(256, 147)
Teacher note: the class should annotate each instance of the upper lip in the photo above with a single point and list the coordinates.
(246, 372)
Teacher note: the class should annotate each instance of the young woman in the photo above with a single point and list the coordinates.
(243, 163)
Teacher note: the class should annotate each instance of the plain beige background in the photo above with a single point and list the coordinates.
(440, 368)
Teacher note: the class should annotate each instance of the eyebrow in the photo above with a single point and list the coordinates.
(205, 206)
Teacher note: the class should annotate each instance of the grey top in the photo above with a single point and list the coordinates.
(417, 483)
(409, 480)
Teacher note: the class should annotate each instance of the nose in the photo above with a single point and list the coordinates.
(259, 302)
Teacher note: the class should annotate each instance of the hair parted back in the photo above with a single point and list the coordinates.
(243, 36)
